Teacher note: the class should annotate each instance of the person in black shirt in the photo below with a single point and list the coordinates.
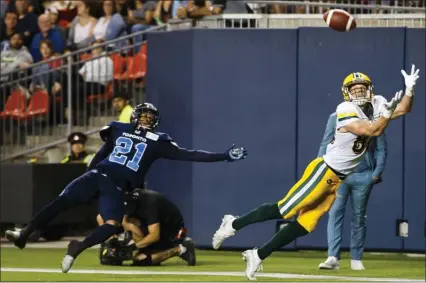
(157, 228)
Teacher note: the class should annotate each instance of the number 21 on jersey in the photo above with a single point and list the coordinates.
(124, 146)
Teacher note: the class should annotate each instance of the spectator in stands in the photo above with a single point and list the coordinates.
(67, 10)
(53, 13)
(27, 22)
(3, 9)
(232, 7)
(45, 76)
(111, 25)
(179, 9)
(78, 153)
(47, 31)
(121, 105)
(81, 32)
(34, 6)
(142, 19)
(199, 8)
(17, 57)
(96, 73)
(7, 29)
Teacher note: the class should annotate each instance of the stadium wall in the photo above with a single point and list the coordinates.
(272, 91)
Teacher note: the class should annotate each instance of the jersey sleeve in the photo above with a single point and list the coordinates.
(379, 102)
(346, 113)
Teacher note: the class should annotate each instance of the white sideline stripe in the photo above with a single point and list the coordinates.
(304, 189)
(201, 273)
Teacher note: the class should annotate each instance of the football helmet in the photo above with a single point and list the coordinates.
(360, 95)
(146, 108)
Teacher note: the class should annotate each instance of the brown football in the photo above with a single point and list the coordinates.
(339, 20)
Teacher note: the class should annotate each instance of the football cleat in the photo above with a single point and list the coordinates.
(15, 238)
(224, 232)
(357, 265)
(69, 258)
(189, 254)
(330, 264)
(254, 263)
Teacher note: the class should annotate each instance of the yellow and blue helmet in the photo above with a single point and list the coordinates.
(363, 95)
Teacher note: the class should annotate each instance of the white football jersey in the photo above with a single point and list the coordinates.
(347, 150)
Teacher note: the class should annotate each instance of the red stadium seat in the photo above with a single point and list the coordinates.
(102, 96)
(39, 104)
(15, 104)
(136, 67)
(85, 56)
(119, 63)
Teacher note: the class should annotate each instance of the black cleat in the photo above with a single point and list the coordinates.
(16, 238)
(189, 255)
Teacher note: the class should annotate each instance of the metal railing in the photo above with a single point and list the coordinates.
(42, 104)
(354, 7)
(296, 20)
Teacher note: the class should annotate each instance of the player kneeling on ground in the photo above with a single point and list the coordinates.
(157, 232)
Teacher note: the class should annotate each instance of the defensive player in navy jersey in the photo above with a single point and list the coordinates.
(121, 164)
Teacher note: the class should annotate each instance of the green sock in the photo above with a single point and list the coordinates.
(264, 212)
(285, 236)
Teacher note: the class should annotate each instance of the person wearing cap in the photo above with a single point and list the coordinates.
(78, 152)
(120, 102)
(53, 13)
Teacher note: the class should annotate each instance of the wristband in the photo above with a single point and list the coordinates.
(387, 113)
(409, 92)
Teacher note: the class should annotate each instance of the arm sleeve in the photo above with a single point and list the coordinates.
(172, 151)
(102, 153)
(346, 114)
(328, 134)
(380, 155)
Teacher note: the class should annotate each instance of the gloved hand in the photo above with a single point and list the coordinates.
(236, 153)
(391, 105)
(410, 80)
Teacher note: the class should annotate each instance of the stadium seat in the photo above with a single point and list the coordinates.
(136, 67)
(119, 63)
(102, 96)
(15, 104)
(39, 104)
(85, 56)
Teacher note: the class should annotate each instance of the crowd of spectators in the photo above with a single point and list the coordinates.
(33, 31)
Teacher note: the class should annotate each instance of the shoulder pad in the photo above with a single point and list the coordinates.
(164, 137)
(345, 107)
(104, 133)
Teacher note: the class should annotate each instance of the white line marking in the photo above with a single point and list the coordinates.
(202, 273)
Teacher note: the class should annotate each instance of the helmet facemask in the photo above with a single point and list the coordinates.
(145, 116)
(359, 93)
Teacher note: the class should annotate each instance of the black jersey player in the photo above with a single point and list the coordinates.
(121, 164)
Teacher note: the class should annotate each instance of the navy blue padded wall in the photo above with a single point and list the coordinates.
(414, 173)
(325, 58)
(169, 87)
(244, 85)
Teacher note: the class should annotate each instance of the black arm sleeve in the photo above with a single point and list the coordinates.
(173, 152)
(102, 153)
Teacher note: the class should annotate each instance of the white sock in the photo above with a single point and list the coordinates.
(182, 249)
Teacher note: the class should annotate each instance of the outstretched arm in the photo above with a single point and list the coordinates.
(406, 103)
(366, 128)
(173, 152)
(102, 153)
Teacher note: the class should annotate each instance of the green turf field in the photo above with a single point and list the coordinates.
(35, 264)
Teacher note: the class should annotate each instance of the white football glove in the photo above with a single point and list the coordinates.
(391, 105)
(410, 80)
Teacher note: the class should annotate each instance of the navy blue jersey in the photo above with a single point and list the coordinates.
(128, 153)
